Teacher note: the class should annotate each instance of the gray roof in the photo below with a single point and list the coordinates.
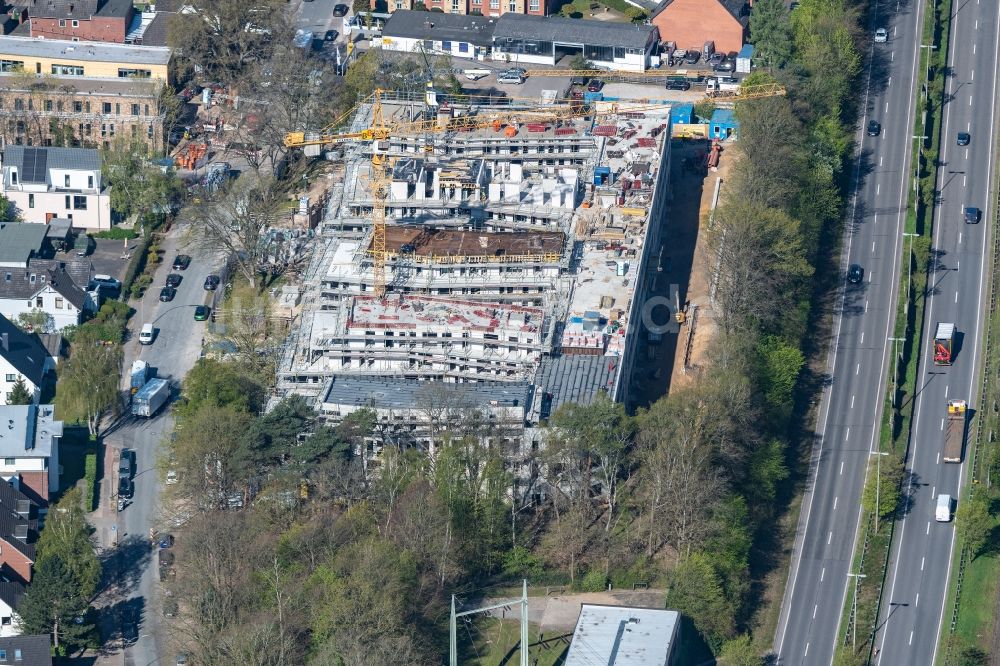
(156, 32)
(23, 351)
(574, 378)
(11, 592)
(623, 635)
(65, 277)
(20, 240)
(53, 343)
(28, 431)
(122, 54)
(572, 31)
(35, 650)
(407, 393)
(63, 9)
(18, 520)
(115, 8)
(33, 163)
(476, 30)
(81, 85)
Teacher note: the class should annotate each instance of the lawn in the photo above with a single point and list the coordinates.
(496, 644)
(589, 8)
(74, 446)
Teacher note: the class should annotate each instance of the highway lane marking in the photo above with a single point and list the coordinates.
(966, 153)
(822, 574)
(866, 310)
(806, 654)
(829, 537)
(892, 56)
(873, 247)
(815, 608)
(847, 436)
(878, 189)
(916, 603)
(889, 83)
(911, 638)
(933, 491)
(857, 369)
(942, 424)
(956, 297)
(964, 180)
(862, 337)
(852, 402)
(957, 265)
(959, 236)
(928, 527)
(922, 563)
(972, 75)
(887, 107)
(973, 45)
(937, 460)
(880, 161)
(946, 391)
(835, 503)
(841, 466)
(970, 100)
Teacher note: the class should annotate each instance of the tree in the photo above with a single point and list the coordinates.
(888, 487)
(974, 522)
(213, 456)
(19, 394)
(36, 321)
(635, 14)
(740, 651)
(52, 603)
(67, 537)
(225, 37)
(696, 591)
(235, 220)
(771, 33)
(220, 384)
(136, 184)
(580, 62)
(88, 386)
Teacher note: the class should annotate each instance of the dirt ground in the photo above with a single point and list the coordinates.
(559, 613)
(701, 318)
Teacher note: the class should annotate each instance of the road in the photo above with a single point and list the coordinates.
(921, 557)
(858, 362)
(174, 351)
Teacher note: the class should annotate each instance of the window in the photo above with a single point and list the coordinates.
(111, 129)
(66, 180)
(86, 106)
(76, 24)
(11, 378)
(31, 201)
(463, 47)
(48, 105)
(446, 46)
(129, 73)
(67, 201)
(39, 303)
(59, 303)
(106, 108)
(17, 654)
(77, 107)
(494, 4)
(67, 70)
(3, 653)
(135, 109)
(13, 176)
(59, 105)
(512, 7)
(118, 109)
(145, 110)
(79, 203)
(19, 104)
(90, 182)
(62, 23)
(11, 65)
(533, 6)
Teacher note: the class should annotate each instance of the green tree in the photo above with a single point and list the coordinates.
(889, 489)
(740, 651)
(88, 385)
(579, 62)
(36, 321)
(974, 522)
(696, 591)
(19, 394)
(220, 384)
(771, 33)
(67, 537)
(52, 603)
(780, 364)
(137, 185)
(635, 14)
(213, 455)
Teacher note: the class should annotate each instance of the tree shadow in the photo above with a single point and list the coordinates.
(909, 494)
(120, 623)
(122, 567)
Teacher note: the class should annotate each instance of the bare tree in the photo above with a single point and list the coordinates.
(88, 385)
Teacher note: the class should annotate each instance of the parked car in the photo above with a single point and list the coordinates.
(510, 78)
(881, 36)
(874, 128)
(678, 84)
(595, 85)
(167, 294)
(692, 57)
(125, 463)
(340, 10)
(201, 313)
(972, 215)
(174, 280)
(125, 488)
(330, 36)
(855, 274)
(727, 64)
(212, 282)
(964, 138)
(166, 540)
(181, 262)
(716, 58)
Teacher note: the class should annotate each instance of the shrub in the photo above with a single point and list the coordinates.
(594, 581)
(90, 479)
(118, 233)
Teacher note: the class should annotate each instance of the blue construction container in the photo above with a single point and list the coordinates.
(602, 175)
(593, 97)
(723, 125)
(682, 114)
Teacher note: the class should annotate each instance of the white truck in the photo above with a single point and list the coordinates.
(722, 84)
(942, 511)
(151, 397)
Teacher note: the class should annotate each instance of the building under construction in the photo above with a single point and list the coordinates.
(517, 258)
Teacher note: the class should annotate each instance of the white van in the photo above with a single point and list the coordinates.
(146, 334)
(942, 513)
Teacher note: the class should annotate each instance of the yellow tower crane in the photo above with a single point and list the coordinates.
(486, 115)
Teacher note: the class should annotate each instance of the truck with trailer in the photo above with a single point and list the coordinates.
(150, 398)
(954, 433)
(944, 337)
(139, 376)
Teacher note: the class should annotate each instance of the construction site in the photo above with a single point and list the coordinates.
(500, 255)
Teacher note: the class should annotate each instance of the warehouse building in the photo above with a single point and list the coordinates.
(519, 38)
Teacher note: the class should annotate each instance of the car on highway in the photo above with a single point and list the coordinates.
(212, 282)
(174, 280)
(855, 274)
(167, 294)
(964, 138)
(972, 215)
(595, 85)
(874, 128)
(942, 508)
(201, 313)
(678, 84)
(181, 262)
(340, 10)
(881, 36)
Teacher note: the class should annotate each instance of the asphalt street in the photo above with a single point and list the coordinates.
(911, 621)
(174, 351)
(857, 365)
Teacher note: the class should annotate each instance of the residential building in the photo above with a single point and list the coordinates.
(29, 450)
(520, 38)
(11, 593)
(95, 59)
(79, 111)
(26, 650)
(691, 23)
(625, 636)
(18, 534)
(488, 8)
(47, 286)
(76, 20)
(47, 183)
(23, 357)
(457, 35)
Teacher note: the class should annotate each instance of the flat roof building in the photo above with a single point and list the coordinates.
(69, 58)
(459, 35)
(624, 636)
(545, 40)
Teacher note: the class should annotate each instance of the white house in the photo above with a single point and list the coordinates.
(11, 593)
(46, 183)
(22, 356)
(458, 35)
(29, 450)
(48, 287)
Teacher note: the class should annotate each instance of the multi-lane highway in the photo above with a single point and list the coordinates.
(858, 362)
(911, 620)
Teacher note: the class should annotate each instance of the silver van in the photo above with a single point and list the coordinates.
(146, 335)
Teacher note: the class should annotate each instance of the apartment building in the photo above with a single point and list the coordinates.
(22, 358)
(29, 450)
(48, 183)
(76, 20)
(79, 111)
(60, 57)
(489, 8)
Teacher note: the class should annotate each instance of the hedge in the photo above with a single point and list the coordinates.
(90, 478)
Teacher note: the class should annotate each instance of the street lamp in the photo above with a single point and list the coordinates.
(916, 168)
(927, 71)
(878, 482)
(854, 613)
(909, 268)
(895, 368)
